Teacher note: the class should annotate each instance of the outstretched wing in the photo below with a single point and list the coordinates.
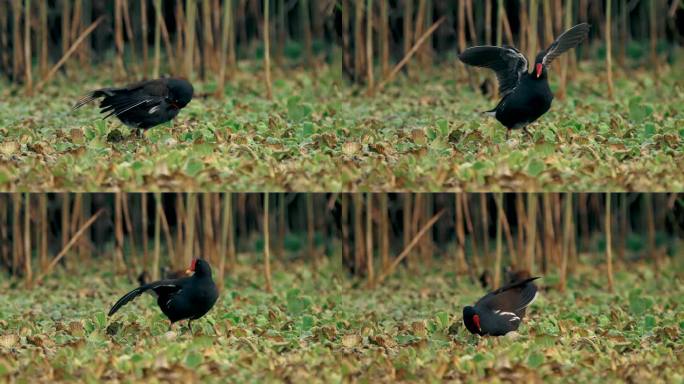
(162, 286)
(510, 299)
(508, 63)
(568, 40)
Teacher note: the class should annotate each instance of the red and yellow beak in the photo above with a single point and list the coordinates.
(476, 320)
(192, 267)
(538, 69)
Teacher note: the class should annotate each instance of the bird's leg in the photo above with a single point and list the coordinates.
(190, 326)
(170, 326)
(508, 133)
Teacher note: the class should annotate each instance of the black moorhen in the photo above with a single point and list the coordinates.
(187, 298)
(145, 104)
(502, 310)
(525, 96)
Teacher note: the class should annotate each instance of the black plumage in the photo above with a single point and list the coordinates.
(145, 104)
(187, 298)
(524, 96)
(500, 311)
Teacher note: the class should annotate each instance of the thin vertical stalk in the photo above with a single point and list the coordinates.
(609, 238)
(207, 39)
(65, 218)
(28, 270)
(408, 233)
(306, 29)
(469, 227)
(568, 238)
(549, 235)
(488, 22)
(267, 49)
(460, 233)
(565, 58)
(532, 45)
(267, 247)
(157, 37)
(207, 228)
(358, 40)
(609, 47)
(129, 228)
(369, 239)
(226, 235)
(384, 233)
(143, 28)
(281, 226)
(485, 228)
(27, 47)
(157, 235)
(118, 37)
(190, 16)
(66, 11)
(369, 45)
(191, 203)
(384, 38)
(44, 235)
(143, 215)
(408, 34)
(359, 256)
(653, 24)
(16, 232)
(43, 63)
(344, 208)
(313, 255)
(118, 232)
(227, 26)
(650, 229)
(497, 263)
(531, 230)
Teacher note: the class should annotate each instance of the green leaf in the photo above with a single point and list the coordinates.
(639, 304)
(443, 127)
(193, 167)
(307, 323)
(535, 167)
(535, 360)
(193, 359)
(649, 322)
(101, 319)
(442, 319)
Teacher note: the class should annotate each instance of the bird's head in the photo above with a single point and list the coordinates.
(539, 66)
(471, 319)
(180, 93)
(199, 267)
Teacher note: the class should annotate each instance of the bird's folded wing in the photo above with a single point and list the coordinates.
(568, 40)
(508, 63)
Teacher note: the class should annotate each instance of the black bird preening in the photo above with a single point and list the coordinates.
(145, 104)
(502, 310)
(525, 96)
(187, 298)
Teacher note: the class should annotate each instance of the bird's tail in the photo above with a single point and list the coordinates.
(90, 96)
(126, 298)
(491, 112)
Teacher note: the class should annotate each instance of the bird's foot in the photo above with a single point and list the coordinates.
(190, 327)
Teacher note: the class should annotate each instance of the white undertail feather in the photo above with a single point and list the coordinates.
(131, 107)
